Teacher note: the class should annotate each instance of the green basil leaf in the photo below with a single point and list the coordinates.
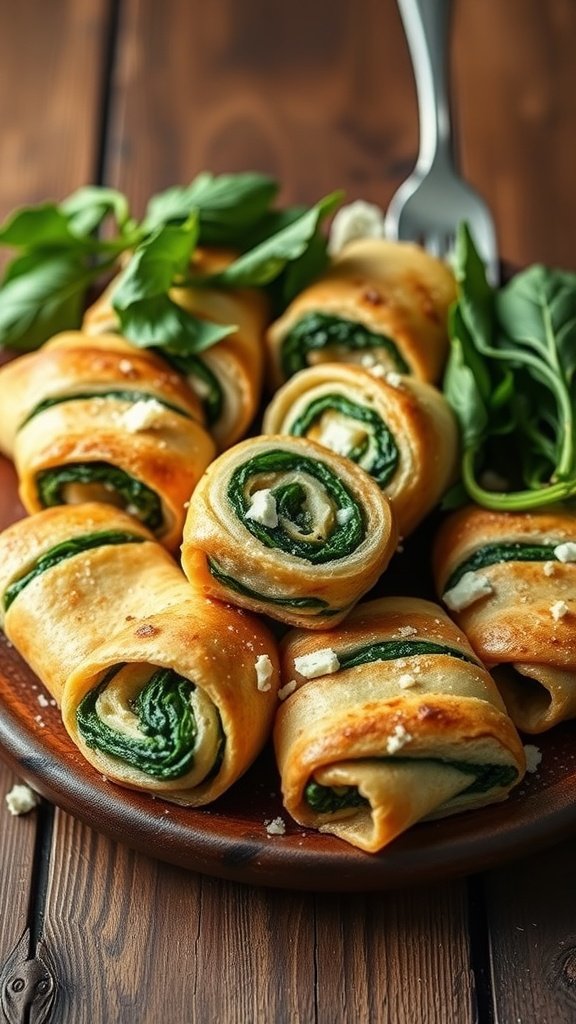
(37, 226)
(157, 321)
(43, 297)
(156, 264)
(227, 205)
(87, 208)
(465, 396)
(264, 263)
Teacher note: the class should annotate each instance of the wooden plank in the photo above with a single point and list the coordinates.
(50, 85)
(400, 957)
(17, 842)
(516, 97)
(531, 908)
(314, 94)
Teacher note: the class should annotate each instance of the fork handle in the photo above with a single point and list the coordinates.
(427, 27)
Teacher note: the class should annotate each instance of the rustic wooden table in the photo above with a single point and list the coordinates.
(142, 94)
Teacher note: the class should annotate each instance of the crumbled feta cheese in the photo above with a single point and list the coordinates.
(394, 379)
(263, 508)
(558, 610)
(378, 370)
(406, 681)
(125, 366)
(285, 691)
(341, 437)
(276, 827)
(467, 591)
(264, 672)
(399, 738)
(566, 552)
(549, 568)
(42, 700)
(355, 220)
(143, 415)
(318, 663)
(533, 757)
(407, 631)
(344, 515)
(21, 799)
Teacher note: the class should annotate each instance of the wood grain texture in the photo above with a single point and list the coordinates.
(17, 842)
(51, 65)
(531, 910)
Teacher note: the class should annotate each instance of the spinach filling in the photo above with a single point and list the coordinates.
(377, 453)
(329, 800)
(313, 603)
(121, 394)
(316, 331)
(67, 549)
(133, 493)
(491, 554)
(208, 386)
(165, 717)
(291, 504)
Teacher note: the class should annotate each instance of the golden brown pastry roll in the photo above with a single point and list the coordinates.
(71, 575)
(399, 430)
(380, 304)
(178, 704)
(284, 527)
(389, 719)
(509, 580)
(95, 420)
(227, 377)
(162, 690)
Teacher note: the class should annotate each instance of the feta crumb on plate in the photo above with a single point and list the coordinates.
(467, 591)
(21, 799)
(318, 663)
(276, 827)
(533, 757)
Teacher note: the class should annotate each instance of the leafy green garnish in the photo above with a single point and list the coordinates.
(60, 254)
(510, 381)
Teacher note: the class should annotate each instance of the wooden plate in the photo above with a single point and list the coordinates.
(229, 838)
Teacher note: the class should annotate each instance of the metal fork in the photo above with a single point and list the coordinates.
(434, 199)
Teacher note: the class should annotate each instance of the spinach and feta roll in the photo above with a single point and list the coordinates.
(387, 720)
(92, 419)
(160, 689)
(284, 527)
(380, 304)
(179, 703)
(71, 575)
(509, 580)
(399, 430)
(227, 377)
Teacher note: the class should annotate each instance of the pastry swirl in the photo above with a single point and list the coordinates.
(227, 377)
(284, 527)
(380, 303)
(93, 419)
(161, 689)
(509, 580)
(399, 430)
(392, 720)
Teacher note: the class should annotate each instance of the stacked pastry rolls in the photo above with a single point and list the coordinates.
(398, 429)
(227, 377)
(392, 719)
(380, 303)
(89, 419)
(286, 528)
(162, 690)
(509, 580)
